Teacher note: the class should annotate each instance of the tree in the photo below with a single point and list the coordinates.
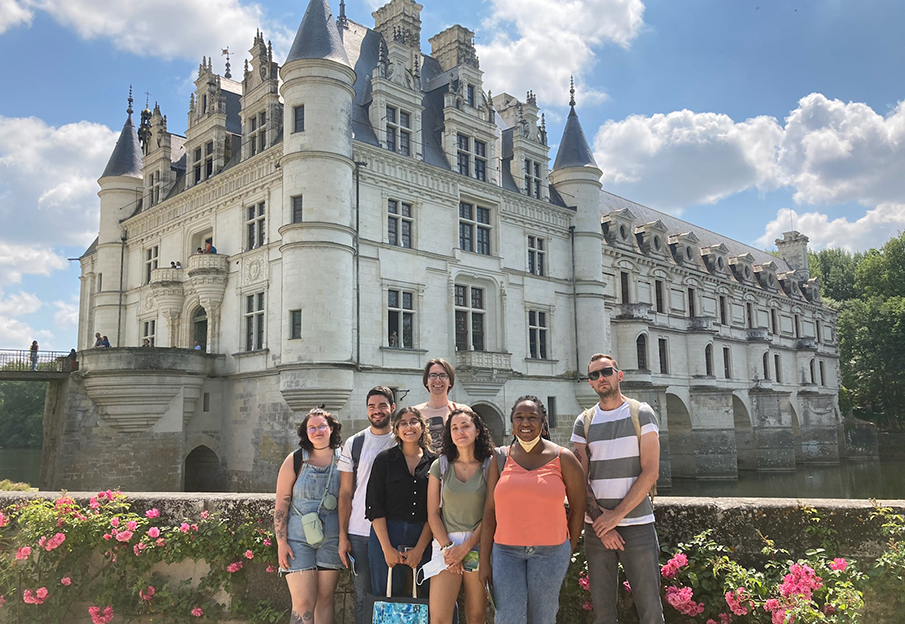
(881, 273)
(836, 270)
(21, 414)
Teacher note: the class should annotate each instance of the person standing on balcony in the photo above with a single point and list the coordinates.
(439, 378)
(33, 355)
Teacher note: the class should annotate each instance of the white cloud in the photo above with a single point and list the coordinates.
(18, 334)
(18, 260)
(556, 39)
(13, 13)
(48, 182)
(19, 304)
(67, 314)
(870, 231)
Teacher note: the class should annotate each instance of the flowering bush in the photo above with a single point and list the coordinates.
(60, 556)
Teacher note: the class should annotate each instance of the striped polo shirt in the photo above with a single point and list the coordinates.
(616, 456)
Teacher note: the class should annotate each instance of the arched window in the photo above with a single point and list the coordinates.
(641, 346)
(708, 360)
(199, 328)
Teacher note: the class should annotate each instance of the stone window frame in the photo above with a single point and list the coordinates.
(398, 311)
(254, 321)
(470, 303)
(149, 331)
(475, 228)
(151, 261)
(296, 208)
(298, 118)
(257, 133)
(295, 324)
(255, 225)
(399, 133)
(727, 362)
(397, 220)
(538, 320)
(663, 355)
(537, 252)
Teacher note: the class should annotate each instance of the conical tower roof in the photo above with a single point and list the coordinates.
(318, 37)
(126, 157)
(574, 150)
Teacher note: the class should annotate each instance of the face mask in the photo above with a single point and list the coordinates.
(528, 445)
(432, 568)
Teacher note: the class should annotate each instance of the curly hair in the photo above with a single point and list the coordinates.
(335, 437)
(545, 427)
(483, 444)
(425, 440)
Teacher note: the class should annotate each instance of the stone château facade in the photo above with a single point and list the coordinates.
(372, 207)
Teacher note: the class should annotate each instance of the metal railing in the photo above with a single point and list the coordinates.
(24, 360)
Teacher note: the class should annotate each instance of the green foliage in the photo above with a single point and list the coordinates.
(836, 270)
(881, 272)
(21, 414)
(12, 486)
(59, 556)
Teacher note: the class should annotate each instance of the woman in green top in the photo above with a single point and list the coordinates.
(455, 506)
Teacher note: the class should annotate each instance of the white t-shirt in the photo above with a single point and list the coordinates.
(373, 444)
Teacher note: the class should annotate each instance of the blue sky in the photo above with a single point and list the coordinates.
(743, 117)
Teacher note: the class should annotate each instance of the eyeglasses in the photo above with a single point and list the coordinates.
(606, 371)
(318, 429)
(405, 424)
(442, 376)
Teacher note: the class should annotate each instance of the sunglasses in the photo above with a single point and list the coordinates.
(606, 371)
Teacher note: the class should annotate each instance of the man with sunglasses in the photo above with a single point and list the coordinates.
(617, 442)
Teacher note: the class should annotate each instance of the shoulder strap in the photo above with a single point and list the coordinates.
(501, 453)
(485, 465)
(634, 408)
(297, 461)
(358, 442)
(586, 417)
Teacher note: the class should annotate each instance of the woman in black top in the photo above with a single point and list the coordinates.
(397, 502)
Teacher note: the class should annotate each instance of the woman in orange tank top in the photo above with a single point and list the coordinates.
(527, 538)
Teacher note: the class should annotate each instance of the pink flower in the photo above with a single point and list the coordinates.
(114, 522)
(184, 527)
(249, 554)
(205, 514)
(131, 525)
(584, 583)
(41, 594)
(2, 600)
(771, 605)
(124, 536)
(54, 542)
(137, 548)
(152, 513)
(739, 602)
(839, 564)
(153, 532)
(23, 553)
(36, 597)
(234, 567)
(147, 594)
(680, 599)
(267, 541)
(587, 606)
(3, 520)
(42, 541)
(66, 581)
(271, 568)
(197, 612)
(107, 536)
(160, 542)
(94, 504)
(627, 587)
(194, 527)
(101, 617)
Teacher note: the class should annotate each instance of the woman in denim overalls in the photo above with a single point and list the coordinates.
(306, 521)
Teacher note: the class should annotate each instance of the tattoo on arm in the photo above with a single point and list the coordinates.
(592, 509)
(279, 523)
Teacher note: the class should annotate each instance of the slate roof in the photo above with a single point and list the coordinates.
(318, 37)
(574, 150)
(126, 157)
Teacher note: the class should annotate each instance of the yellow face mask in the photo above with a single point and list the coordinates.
(529, 444)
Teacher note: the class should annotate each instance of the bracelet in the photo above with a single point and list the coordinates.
(447, 547)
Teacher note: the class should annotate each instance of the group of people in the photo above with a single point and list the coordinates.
(101, 341)
(208, 248)
(423, 496)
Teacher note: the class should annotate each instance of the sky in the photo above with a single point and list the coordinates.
(748, 118)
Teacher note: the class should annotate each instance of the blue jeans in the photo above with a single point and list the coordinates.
(401, 533)
(361, 578)
(527, 580)
(640, 560)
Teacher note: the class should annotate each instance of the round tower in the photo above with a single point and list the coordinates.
(120, 194)
(318, 302)
(576, 177)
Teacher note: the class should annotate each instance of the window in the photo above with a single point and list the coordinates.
(400, 319)
(462, 154)
(150, 332)
(551, 411)
(774, 322)
(727, 362)
(708, 360)
(723, 318)
(399, 223)
(197, 169)
(623, 279)
(399, 133)
(480, 160)
(641, 349)
(297, 209)
(777, 366)
(298, 114)
(819, 331)
(664, 356)
(658, 292)
(474, 228)
(154, 188)
(150, 262)
(469, 95)
(469, 304)
(100, 282)
(206, 402)
(797, 326)
(257, 133)
(749, 311)
(813, 378)
(822, 374)
(254, 226)
(532, 178)
(208, 159)
(766, 366)
(295, 324)
(692, 311)
(254, 322)
(537, 334)
(537, 256)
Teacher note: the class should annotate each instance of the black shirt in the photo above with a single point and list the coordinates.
(393, 493)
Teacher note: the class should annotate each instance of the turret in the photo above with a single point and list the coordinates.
(318, 303)
(576, 177)
(120, 195)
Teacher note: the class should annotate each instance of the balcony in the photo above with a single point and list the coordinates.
(758, 334)
(700, 324)
(633, 312)
(483, 373)
(806, 344)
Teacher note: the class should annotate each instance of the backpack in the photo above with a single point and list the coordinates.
(358, 442)
(444, 468)
(298, 459)
(634, 408)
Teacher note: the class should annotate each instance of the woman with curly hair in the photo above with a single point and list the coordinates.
(396, 502)
(306, 521)
(455, 504)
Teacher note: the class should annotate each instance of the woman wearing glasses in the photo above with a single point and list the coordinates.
(439, 378)
(396, 502)
(306, 521)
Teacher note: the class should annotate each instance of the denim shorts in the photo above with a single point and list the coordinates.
(324, 556)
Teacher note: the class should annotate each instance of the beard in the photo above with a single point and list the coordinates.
(380, 421)
(608, 393)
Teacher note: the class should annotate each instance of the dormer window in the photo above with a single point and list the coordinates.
(470, 95)
(257, 133)
(684, 247)
(532, 178)
(208, 159)
(617, 228)
(742, 267)
(465, 155)
(197, 169)
(399, 133)
(715, 258)
(766, 275)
